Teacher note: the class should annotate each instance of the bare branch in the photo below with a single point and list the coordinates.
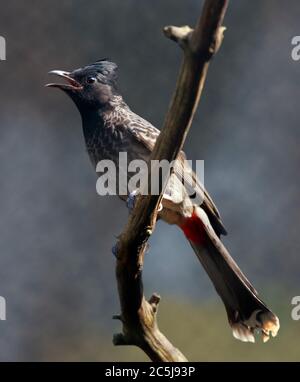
(180, 35)
(138, 315)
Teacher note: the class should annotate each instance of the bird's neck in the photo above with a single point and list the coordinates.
(94, 120)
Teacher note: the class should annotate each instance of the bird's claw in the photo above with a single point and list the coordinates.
(114, 250)
(131, 200)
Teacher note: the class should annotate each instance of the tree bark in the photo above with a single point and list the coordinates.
(137, 314)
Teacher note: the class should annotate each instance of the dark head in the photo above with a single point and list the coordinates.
(91, 87)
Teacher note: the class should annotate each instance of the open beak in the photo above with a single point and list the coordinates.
(70, 85)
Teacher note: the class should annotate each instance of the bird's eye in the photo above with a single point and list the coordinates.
(91, 80)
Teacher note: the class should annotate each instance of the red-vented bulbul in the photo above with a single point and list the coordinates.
(110, 127)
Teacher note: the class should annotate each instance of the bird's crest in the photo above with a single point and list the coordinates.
(105, 69)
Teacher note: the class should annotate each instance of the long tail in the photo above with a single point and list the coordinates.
(246, 311)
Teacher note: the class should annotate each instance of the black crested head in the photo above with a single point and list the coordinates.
(91, 87)
(104, 70)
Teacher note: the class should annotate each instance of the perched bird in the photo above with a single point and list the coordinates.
(111, 127)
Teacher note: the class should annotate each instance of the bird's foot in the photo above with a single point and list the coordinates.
(114, 250)
(131, 200)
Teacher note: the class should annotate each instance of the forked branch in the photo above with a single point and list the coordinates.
(137, 314)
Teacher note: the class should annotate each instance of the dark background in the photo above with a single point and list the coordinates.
(56, 267)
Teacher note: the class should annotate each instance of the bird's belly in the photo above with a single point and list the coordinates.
(125, 169)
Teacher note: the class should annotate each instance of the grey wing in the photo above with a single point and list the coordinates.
(143, 131)
(147, 134)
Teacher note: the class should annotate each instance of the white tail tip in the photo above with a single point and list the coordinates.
(260, 321)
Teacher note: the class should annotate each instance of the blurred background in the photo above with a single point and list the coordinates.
(56, 267)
